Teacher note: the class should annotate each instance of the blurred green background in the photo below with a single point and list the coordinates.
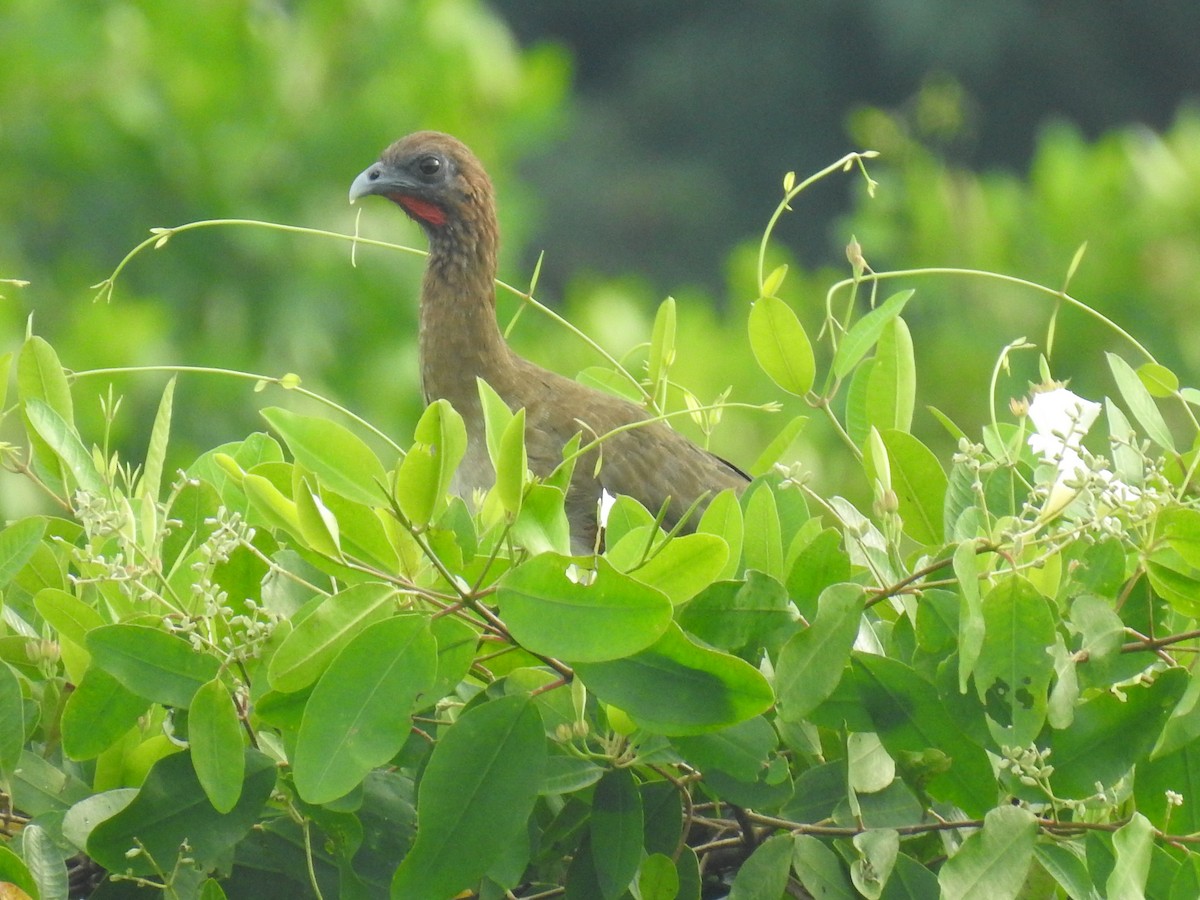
(640, 145)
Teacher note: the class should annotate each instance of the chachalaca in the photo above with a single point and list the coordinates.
(440, 184)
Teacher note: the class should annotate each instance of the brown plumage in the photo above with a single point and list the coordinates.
(437, 181)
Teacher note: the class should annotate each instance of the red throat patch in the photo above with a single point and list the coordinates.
(427, 212)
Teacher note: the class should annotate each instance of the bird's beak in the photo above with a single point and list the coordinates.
(367, 182)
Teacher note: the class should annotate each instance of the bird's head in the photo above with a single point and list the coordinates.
(433, 177)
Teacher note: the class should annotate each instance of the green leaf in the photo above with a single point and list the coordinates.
(812, 662)
(62, 440)
(739, 616)
(878, 849)
(1014, 670)
(332, 624)
(358, 715)
(1140, 403)
(615, 832)
(684, 566)
(40, 376)
(425, 474)
(18, 542)
(496, 417)
(763, 546)
(272, 505)
(150, 483)
(151, 663)
(781, 345)
(611, 617)
(541, 526)
(339, 458)
(909, 717)
(512, 462)
(45, 860)
(215, 738)
(866, 332)
(740, 751)
(1110, 734)
(1158, 379)
(12, 721)
(676, 687)
(1179, 772)
(892, 385)
(994, 861)
(778, 445)
(920, 486)
(318, 525)
(14, 871)
(476, 794)
(1066, 866)
(171, 808)
(723, 517)
(1179, 525)
(1134, 844)
(971, 628)
(819, 870)
(658, 879)
(98, 713)
(764, 874)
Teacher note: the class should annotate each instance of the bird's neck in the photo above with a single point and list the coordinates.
(459, 337)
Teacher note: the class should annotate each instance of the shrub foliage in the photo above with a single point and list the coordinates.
(296, 665)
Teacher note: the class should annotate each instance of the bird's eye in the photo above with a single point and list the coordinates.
(373, 175)
(429, 166)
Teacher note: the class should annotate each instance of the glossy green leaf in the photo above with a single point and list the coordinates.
(1140, 403)
(1110, 734)
(740, 751)
(320, 636)
(994, 861)
(476, 794)
(764, 874)
(892, 384)
(66, 613)
(781, 345)
(1014, 670)
(740, 616)
(215, 738)
(677, 687)
(1133, 843)
(496, 417)
(424, 476)
(723, 517)
(611, 617)
(909, 717)
(812, 662)
(358, 716)
(820, 870)
(1174, 580)
(12, 721)
(541, 526)
(512, 462)
(338, 457)
(1181, 528)
(971, 628)
(763, 546)
(18, 542)
(63, 441)
(171, 808)
(14, 871)
(865, 333)
(615, 832)
(318, 525)
(98, 713)
(275, 508)
(920, 486)
(151, 663)
(1067, 867)
(684, 566)
(1177, 772)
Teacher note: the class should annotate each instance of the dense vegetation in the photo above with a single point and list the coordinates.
(250, 647)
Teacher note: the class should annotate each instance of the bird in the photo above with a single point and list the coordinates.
(440, 184)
